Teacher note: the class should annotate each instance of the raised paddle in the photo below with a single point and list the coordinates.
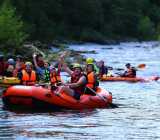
(140, 66)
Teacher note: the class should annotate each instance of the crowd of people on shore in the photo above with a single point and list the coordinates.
(82, 79)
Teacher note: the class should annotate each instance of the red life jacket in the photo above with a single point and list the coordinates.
(75, 79)
(3, 67)
(28, 79)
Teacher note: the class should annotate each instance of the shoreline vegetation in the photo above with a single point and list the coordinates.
(74, 22)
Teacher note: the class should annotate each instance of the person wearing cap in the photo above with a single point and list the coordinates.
(92, 81)
(130, 72)
(77, 84)
(28, 75)
(3, 65)
(91, 61)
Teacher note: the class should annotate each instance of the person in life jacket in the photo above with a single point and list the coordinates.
(19, 66)
(130, 72)
(42, 71)
(78, 82)
(91, 61)
(55, 77)
(92, 81)
(28, 75)
(3, 65)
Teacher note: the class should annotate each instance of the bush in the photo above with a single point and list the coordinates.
(11, 27)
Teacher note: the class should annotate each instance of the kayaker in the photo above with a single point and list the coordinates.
(92, 81)
(91, 61)
(130, 72)
(3, 65)
(103, 70)
(28, 75)
(78, 82)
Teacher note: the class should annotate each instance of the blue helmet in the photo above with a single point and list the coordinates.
(11, 61)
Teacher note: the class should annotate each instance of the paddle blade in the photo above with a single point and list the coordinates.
(141, 66)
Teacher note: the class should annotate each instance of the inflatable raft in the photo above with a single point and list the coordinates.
(8, 81)
(127, 79)
(33, 97)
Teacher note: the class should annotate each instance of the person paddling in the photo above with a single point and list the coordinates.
(130, 72)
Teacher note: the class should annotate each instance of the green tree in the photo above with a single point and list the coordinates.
(146, 29)
(11, 27)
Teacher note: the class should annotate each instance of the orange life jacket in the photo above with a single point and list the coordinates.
(92, 81)
(28, 79)
(55, 78)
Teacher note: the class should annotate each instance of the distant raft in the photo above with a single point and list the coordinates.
(39, 97)
(127, 79)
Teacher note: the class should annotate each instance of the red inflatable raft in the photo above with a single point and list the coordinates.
(32, 96)
(127, 79)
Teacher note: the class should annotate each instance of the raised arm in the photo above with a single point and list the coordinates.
(67, 69)
(34, 61)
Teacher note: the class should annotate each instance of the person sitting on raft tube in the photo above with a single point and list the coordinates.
(130, 72)
(92, 81)
(19, 66)
(78, 82)
(28, 75)
(55, 77)
(42, 69)
(10, 68)
(91, 61)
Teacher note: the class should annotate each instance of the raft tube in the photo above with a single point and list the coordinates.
(8, 81)
(127, 79)
(33, 97)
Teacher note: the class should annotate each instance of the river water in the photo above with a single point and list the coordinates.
(138, 115)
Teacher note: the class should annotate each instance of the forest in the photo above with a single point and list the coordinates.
(79, 20)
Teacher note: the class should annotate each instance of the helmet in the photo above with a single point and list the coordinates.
(11, 61)
(128, 65)
(28, 63)
(76, 65)
(89, 60)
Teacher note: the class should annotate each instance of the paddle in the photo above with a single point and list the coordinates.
(140, 66)
(92, 92)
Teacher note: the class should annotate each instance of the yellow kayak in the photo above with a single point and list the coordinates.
(7, 81)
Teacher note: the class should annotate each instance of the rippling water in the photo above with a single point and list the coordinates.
(136, 118)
